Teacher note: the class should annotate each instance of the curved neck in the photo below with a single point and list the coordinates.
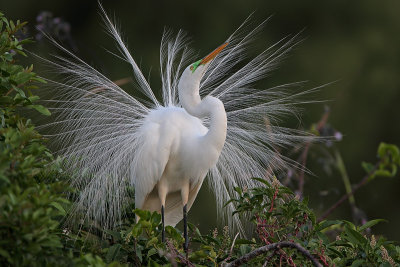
(208, 107)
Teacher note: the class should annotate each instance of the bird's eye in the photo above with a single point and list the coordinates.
(191, 67)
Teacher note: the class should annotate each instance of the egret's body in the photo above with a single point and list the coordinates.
(178, 150)
(173, 140)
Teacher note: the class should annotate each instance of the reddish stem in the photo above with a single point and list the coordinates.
(273, 199)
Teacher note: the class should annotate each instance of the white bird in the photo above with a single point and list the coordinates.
(179, 148)
(211, 122)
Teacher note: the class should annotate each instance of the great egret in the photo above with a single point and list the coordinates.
(165, 150)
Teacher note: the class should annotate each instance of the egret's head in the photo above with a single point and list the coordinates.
(196, 70)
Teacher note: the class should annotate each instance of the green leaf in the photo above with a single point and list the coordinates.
(139, 253)
(20, 91)
(22, 77)
(155, 218)
(137, 230)
(173, 233)
(238, 190)
(152, 242)
(7, 56)
(22, 53)
(33, 98)
(38, 79)
(12, 25)
(327, 223)
(383, 173)
(322, 237)
(58, 207)
(230, 201)
(41, 109)
(368, 167)
(112, 253)
(115, 234)
(143, 214)
(384, 149)
(195, 230)
(335, 251)
(4, 179)
(369, 224)
(358, 262)
(6, 255)
(151, 252)
(261, 181)
(355, 237)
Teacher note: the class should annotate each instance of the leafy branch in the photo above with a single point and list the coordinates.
(389, 161)
(275, 246)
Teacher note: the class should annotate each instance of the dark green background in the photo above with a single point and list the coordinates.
(356, 43)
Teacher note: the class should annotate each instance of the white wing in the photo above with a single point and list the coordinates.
(96, 131)
(151, 162)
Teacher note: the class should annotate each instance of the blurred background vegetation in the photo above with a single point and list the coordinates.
(355, 43)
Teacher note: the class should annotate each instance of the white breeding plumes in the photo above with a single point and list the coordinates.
(110, 139)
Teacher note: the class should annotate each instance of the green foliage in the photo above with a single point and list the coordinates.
(28, 215)
(15, 80)
(389, 162)
(274, 213)
(279, 216)
(31, 207)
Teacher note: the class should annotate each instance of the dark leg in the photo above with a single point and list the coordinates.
(163, 225)
(186, 246)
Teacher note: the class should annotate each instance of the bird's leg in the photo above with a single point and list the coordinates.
(185, 233)
(185, 197)
(162, 195)
(163, 224)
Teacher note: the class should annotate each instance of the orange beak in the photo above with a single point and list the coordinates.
(213, 54)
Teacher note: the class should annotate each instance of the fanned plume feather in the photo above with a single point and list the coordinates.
(95, 122)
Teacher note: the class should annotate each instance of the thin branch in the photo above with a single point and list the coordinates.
(269, 258)
(346, 196)
(251, 255)
(303, 164)
(230, 252)
(233, 244)
(175, 254)
(321, 123)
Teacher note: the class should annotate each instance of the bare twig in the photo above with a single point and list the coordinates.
(274, 246)
(9, 91)
(233, 244)
(346, 196)
(303, 164)
(231, 250)
(175, 254)
(303, 157)
(357, 214)
(171, 259)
